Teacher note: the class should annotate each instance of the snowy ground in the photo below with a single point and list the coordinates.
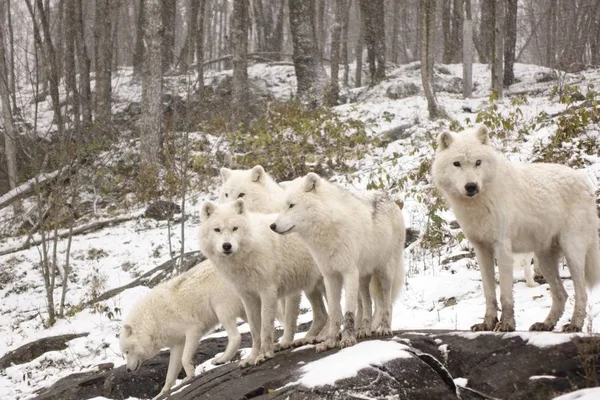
(437, 295)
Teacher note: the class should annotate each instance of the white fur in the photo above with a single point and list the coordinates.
(260, 192)
(262, 266)
(547, 209)
(177, 314)
(523, 260)
(353, 238)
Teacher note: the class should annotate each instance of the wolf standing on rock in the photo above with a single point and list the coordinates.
(353, 239)
(505, 208)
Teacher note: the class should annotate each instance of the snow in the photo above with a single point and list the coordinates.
(536, 377)
(347, 362)
(462, 382)
(438, 294)
(583, 394)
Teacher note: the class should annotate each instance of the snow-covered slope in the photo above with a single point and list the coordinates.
(443, 289)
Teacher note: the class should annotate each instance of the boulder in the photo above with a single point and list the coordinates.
(33, 350)
(162, 210)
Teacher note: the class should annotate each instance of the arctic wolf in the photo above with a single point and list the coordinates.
(505, 207)
(262, 266)
(262, 194)
(353, 239)
(176, 314)
(523, 260)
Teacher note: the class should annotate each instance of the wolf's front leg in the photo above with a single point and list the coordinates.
(351, 283)
(252, 307)
(364, 320)
(268, 299)
(333, 290)
(505, 274)
(292, 309)
(485, 257)
(192, 338)
(175, 354)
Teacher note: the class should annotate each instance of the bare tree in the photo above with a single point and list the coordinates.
(169, 13)
(11, 56)
(187, 52)
(511, 42)
(427, 34)
(83, 65)
(103, 52)
(484, 42)
(70, 71)
(336, 30)
(10, 133)
(468, 51)
(372, 11)
(152, 86)
(239, 31)
(346, 4)
(138, 54)
(498, 53)
(200, 44)
(310, 74)
(359, 47)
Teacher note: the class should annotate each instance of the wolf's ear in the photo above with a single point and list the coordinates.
(483, 135)
(311, 182)
(257, 173)
(225, 173)
(126, 330)
(208, 208)
(284, 184)
(239, 206)
(444, 140)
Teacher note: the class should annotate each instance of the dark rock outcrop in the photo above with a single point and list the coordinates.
(162, 210)
(514, 366)
(33, 350)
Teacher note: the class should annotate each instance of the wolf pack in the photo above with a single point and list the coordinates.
(269, 243)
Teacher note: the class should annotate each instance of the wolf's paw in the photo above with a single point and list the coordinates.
(326, 345)
(568, 328)
(263, 357)
(532, 284)
(488, 324)
(304, 341)
(246, 362)
(381, 331)
(218, 361)
(161, 394)
(364, 333)
(504, 327)
(347, 342)
(282, 346)
(540, 327)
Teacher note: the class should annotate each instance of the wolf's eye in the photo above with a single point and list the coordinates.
(226, 194)
(456, 164)
(217, 230)
(292, 205)
(127, 352)
(234, 228)
(477, 163)
(241, 195)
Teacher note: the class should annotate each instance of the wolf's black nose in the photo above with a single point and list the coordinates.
(128, 369)
(274, 227)
(471, 188)
(226, 246)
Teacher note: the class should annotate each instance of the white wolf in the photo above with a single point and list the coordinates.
(260, 192)
(263, 195)
(262, 266)
(176, 314)
(505, 207)
(353, 238)
(523, 260)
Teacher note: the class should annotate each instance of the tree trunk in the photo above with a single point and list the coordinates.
(334, 88)
(152, 85)
(446, 34)
(138, 54)
(456, 30)
(274, 31)
(83, 65)
(11, 57)
(200, 44)
(427, 34)
(511, 42)
(395, 50)
(372, 12)
(359, 47)
(10, 133)
(187, 57)
(467, 51)
(485, 42)
(310, 74)
(345, 22)
(498, 54)
(320, 24)
(70, 71)
(169, 12)
(239, 31)
(103, 61)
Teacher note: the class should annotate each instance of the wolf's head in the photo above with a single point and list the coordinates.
(255, 186)
(137, 346)
(224, 228)
(304, 205)
(465, 163)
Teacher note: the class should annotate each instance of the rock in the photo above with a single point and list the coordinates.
(411, 236)
(33, 350)
(452, 84)
(545, 76)
(400, 90)
(396, 133)
(494, 365)
(162, 210)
